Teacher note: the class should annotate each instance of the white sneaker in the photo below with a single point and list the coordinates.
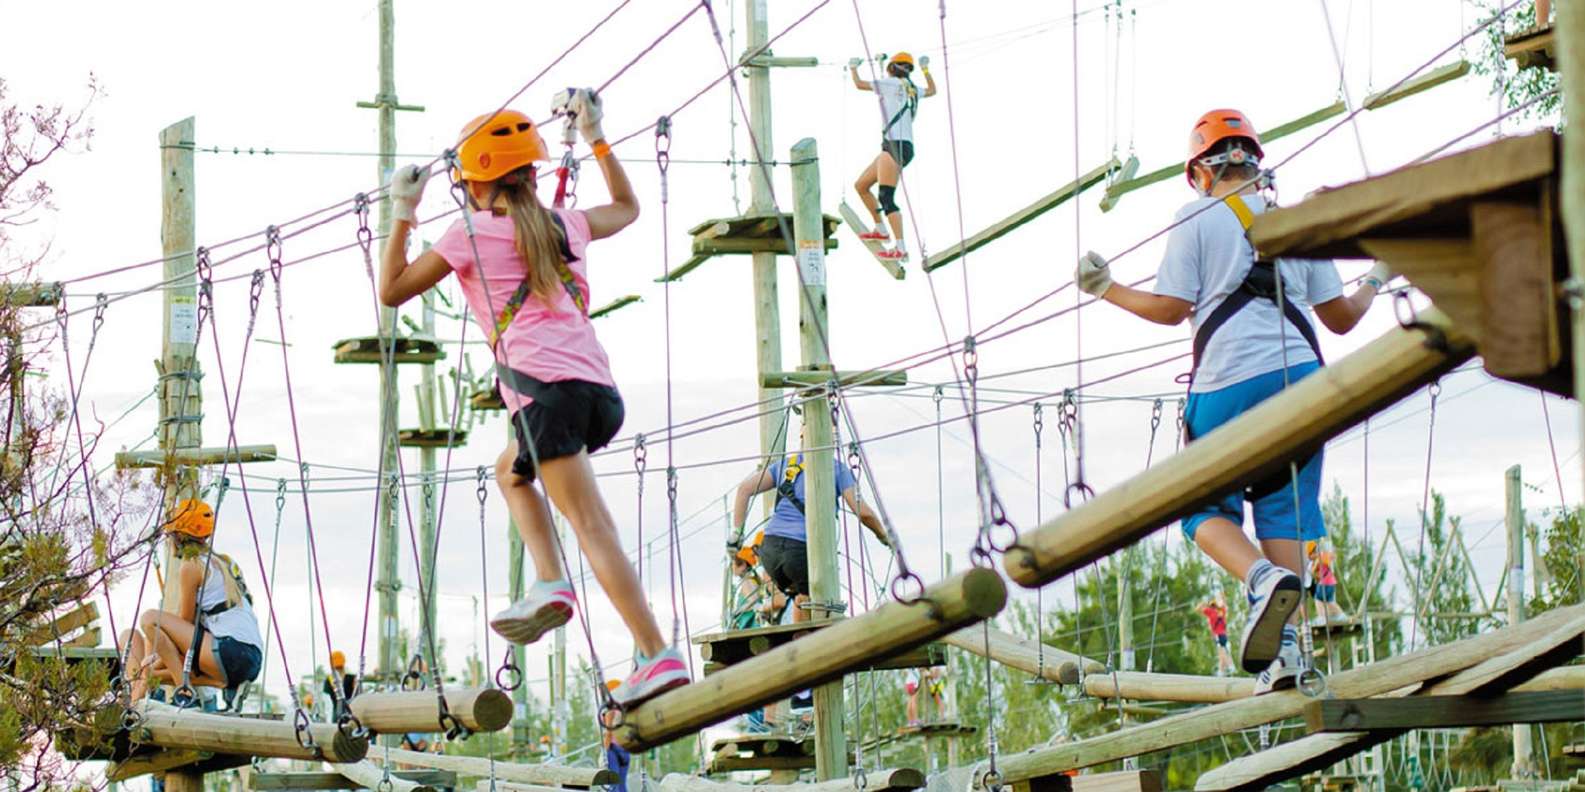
(1271, 602)
(1283, 672)
(547, 606)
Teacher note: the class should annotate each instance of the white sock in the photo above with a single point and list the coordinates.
(1258, 571)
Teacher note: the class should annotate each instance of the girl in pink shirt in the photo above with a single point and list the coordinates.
(522, 270)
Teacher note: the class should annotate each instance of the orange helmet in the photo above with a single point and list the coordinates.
(613, 684)
(337, 659)
(193, 518)
(904, 59)
(1215, 127)
(499, 143)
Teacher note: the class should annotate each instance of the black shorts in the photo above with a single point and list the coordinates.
(564, 418)
(901, 150)
(787, 563)
(240, 662)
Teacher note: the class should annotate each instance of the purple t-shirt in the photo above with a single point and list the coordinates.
(785, 520)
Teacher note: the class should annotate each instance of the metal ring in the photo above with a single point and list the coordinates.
(904, 577)
(356, 730)
(516, 675)
(1312, 683)
(1082, 488)
(385, 785)
(184, 696)
(300, 726)
(611, 705)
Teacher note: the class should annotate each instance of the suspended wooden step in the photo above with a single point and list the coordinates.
(762, 752)
(487, 399)
(1346, 628)
(1014, 651)
(874, 781)
(432, 438)
(857, 225)
(193, 457)
(478, 766)
(753, 233)
(615, 305)
(420, 781)
(1407, 671)
(401, 712)
(168, 727)
(720, 650)
(409, 349)
(938, 729)
(823, 655)
(1420, 84)
(368, 775)
(877, 378)
(1188, 688)
(1004, 226)
(1532, 48)
(1477, 231)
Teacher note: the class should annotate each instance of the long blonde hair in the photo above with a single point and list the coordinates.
(540, 241)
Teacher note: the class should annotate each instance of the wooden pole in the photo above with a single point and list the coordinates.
(1259, 441)
(820, 520)
(180, 387)
(388, 546)
(1569, 33)
(169, 727)
(1513, 519)
(1014, 651)
(823, 655)
(428, 509)
(767, 306)
(396, 712)
(549, 775)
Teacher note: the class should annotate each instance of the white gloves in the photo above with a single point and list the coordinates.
(407, 189)
(1378, 275)
(1092, 274)
(924, 63)
(854, 63)
(587, 113)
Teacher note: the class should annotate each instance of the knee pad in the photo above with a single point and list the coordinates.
(888, 199)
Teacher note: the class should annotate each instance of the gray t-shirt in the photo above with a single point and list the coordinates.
(1207, 259)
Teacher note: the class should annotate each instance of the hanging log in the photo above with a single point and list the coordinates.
(1143, 686)
(369, 775)
(878, 781)
(1218, 719)
(551, 775)
(400, 712)
(1014, 651)
(1260, 442)
(827, 654)
(169, 727)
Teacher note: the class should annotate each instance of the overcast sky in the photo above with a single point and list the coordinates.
(288, 76)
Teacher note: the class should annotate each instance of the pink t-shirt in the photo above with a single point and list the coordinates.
(549, 342)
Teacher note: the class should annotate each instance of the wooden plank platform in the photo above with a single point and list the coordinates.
(762, 752)
(409, 349)
(1004, 226)
(1477, 231)
(432, 438)
(282, 781)
(938, 729)
(858, 226)
(1426, 712)
(752, 233)
(720, 650)
(1533, 47)
(880, 378)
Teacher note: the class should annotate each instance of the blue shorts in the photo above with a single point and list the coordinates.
(1274, 513)
(1325, 592)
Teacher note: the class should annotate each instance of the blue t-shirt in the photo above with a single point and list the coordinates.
(785, 519)
(616, 759)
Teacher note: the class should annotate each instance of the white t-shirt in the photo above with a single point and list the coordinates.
(237, 622)
(895, 96)
(1207, 259)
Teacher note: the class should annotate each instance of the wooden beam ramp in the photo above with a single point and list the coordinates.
(1290, 425)
(166, 726)
(1524, 646)
(827, 654)
(1014, 651)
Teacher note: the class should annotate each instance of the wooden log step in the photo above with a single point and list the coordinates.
(824, 655)
(400, 712)
(1257, 443)
(876, 781)
(368, 775)
(1143, 686)
(548, 775)
(407, 349)
(284, 781)
(724, 649)
(938, 729)
(1015, 651)
(1427, 712)
(169, 727)
(432, 438)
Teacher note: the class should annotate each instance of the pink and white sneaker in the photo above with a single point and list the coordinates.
(547, 606)
(896, 254)
(874, 236)
(653, 676)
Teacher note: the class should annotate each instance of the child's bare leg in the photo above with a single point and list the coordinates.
(866, 181)
(531, 515)
(888, 174)
(1224, 541)
(571, 485)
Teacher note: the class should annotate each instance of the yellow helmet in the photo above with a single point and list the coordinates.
(904, 58)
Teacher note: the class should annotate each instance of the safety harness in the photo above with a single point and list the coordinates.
(1260, 283)
(524, 289)
(910, 105)
(786, 489)
(236, 589)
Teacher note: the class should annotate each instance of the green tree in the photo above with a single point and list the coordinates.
(1518, 86)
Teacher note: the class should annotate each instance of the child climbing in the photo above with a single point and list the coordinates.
(1323, 583)
(1246, 349)
(899, 103)
(785, 551)
(1216, 618)
(523, 271)
(213, 608)
(931, 681)
(748, 592)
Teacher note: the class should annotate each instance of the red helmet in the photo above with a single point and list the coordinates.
(1215, 127)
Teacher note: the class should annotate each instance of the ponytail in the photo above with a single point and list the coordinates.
(539, 239)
